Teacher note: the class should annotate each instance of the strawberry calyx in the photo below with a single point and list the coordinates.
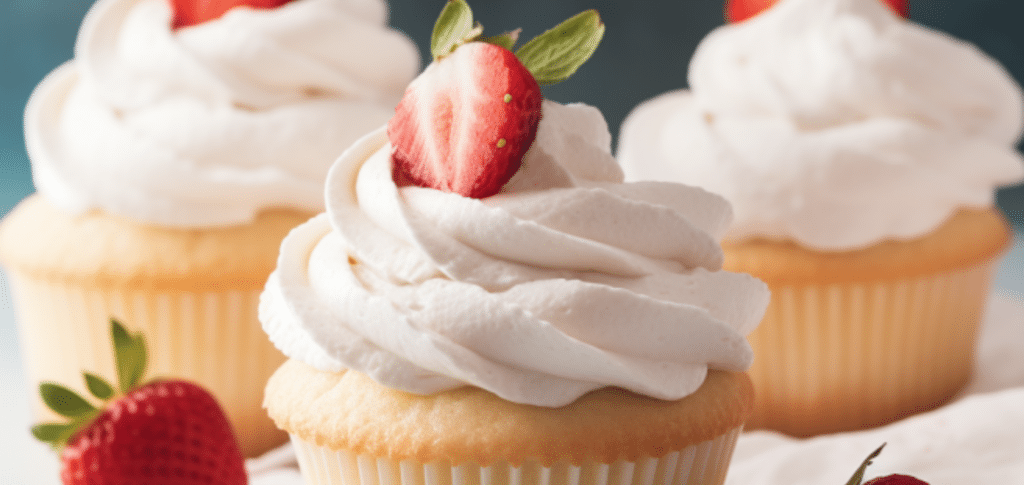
(551, 57)
(130, 358)
(466, 122)
(858, 476)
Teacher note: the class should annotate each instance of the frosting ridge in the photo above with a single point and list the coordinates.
(209, 124)
(533, 294)
(834, 123)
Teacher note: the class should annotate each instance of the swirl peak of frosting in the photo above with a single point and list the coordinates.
(834, 123)
(208, 125)
(566, 281)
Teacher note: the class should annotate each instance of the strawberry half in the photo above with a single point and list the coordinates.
(740, 10)
(164, 432)
(193, 12)
(466, 122)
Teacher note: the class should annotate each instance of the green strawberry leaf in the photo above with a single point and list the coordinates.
(57, 435)
(858, 476)
(51, 433)
(506, 40)
(556, 54)
(129, 355)
(453, 27)
(98, 386)
(64, 401)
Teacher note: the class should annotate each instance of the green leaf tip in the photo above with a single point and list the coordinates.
(54, 434)
(556, 54)
(99, 387)
(858, 476)
(129, 355)
(64, 401)
(50, 432)
(453, 27)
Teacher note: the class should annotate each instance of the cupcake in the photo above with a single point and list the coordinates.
(545, 324)
(860, 153)
(170, 162)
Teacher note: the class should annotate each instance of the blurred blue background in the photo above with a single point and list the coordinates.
(645, 52)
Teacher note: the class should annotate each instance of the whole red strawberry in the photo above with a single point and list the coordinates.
(858, 476)
(193, 12)
(163, 432)
(466, 122)
(740, 10)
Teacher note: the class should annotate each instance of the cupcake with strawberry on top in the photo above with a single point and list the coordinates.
(485, 301)
(861, 153)
(171, 157)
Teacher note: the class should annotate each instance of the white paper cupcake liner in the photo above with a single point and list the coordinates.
(849, 356)
(702, 464)
(212, 338)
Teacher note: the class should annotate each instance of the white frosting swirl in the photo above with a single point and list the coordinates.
(209, 124)
(834, 123)
(566, 281)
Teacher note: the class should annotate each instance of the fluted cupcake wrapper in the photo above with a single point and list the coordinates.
(705, 463)
(849, 356)
(212, 338)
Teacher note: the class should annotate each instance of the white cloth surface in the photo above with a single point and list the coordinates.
(978, 438)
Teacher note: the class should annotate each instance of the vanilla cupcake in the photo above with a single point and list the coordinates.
(559, 326)
(170, 163)
(861, 153)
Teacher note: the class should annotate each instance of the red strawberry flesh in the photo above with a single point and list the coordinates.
(466, 122)
(193, 12)
(740, 10)
(895, 480)
(162, 433)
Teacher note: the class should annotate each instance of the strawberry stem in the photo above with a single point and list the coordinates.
(858, 476)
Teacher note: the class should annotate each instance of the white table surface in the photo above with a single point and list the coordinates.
(24, 461)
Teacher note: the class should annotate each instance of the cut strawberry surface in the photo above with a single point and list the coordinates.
(194, 12)
(164, 432)
(466, 122)
(740, 10)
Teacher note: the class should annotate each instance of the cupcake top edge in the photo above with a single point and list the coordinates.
(605, 426)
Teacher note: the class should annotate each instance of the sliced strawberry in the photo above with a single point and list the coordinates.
(466, 122)
(740, 10)
(164, 432)
(193, 12)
